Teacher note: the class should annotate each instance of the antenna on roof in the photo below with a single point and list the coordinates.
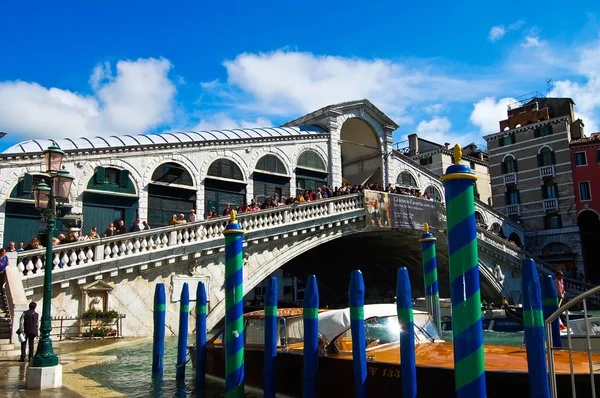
(549, 86)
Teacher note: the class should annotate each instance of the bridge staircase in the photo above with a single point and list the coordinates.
(7, 349)
(90, 260)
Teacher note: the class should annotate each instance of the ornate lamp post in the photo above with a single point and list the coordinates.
(48, 201)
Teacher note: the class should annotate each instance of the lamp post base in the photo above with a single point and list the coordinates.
(43, 378)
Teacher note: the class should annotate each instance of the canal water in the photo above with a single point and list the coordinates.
(131, 373)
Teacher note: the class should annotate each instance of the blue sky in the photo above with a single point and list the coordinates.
(445, 71)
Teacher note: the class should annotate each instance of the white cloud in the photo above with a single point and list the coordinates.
(435, 130)
(434, 108)
(531, 41)
(488, 112)
(285, 83)
(138, 96)
(496, 33)
(222, 121)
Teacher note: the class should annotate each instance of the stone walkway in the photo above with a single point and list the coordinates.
(73, 355)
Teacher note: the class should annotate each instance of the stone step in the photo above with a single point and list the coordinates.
(7, 347)
(11, 354)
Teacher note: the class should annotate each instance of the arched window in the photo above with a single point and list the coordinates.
(271, 164)
(549, 189)
(225, 168)
(546, 157)
(172, 173)
(406, 180)
(515, 239)
(509, 165)
(270, 179)
(433, 193)
(311, 160)
(479, 218)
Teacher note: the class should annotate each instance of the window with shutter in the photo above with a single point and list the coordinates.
(124, 178)
(100, 175)
(311, 160)
(27, 186)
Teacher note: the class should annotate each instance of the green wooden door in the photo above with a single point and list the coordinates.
(22, 223)
(101, 210)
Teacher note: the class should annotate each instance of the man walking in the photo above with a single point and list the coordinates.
(29, 326)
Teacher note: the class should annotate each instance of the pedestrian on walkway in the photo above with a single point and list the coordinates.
(29, 326)
(3, 265)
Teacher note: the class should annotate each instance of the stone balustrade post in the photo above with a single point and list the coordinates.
(99, 252)
(330, 208)
(286, 216)
(172, 238)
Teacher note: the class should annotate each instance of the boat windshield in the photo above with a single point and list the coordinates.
(386, 330)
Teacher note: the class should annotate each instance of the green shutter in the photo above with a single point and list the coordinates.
(100, 175)
(539, 159)
(518, 197)
(124, 178)
(27, 185)
(553, 157)
(536, 133)
(516, 165)
(549, 129)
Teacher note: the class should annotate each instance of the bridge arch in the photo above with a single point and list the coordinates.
(361, 152)
(406, 179)
(434, 192)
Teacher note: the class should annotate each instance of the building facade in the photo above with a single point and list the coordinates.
(585, 159)
(532, 180)
(438, 158)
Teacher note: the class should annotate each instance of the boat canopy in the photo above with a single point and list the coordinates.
(332, 323)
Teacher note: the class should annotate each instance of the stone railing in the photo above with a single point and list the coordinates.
(510, 178)
(547, 171)
(96, 251)
(513, 210)
(550, 204)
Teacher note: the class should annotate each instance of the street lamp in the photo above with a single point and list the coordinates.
(48, 201)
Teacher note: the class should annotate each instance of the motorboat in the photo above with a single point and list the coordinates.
(492, 319)
(505, 366)
(576, 330)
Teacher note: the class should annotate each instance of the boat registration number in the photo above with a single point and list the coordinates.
(385, 372)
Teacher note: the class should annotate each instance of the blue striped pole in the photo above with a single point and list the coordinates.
(408, 362)
(311, 337)
(357, 325)
(200, 335)
(158, 346)
(469, 366)
(535, 337)
(184, 315)
(270, 338)
(234, 310)
(430, 276)
(550, 305)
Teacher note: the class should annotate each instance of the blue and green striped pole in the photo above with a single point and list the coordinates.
(184, 318)
(234, 310)
(550, 306)
(535, 336)
(408, 362)
(158, 346)
(311, 338)
(469, 366)
(200, 335)
(270, 338)
(430, 276)
(357, 326)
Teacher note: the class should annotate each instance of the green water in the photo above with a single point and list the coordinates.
(131, 373)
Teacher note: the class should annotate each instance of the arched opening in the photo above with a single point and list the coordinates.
(406, 180)
(171, 191)
(110, 196)
(549, 189)
(224, 183)
(270, 178)
(514, 238)
(561, 257)
(497, 229)
(589, 229)
(22, 220)
(361, 153)
(546, 157)
(480, 220)
(433, 193)
(311, 171)
(509, 165)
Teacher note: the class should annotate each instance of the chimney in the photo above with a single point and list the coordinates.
(447, 145)
(413, 145)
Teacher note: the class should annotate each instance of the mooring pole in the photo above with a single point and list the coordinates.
(535, 336)
(311, 338)
(200, 335)
(270, 338)
(430, 276)
(158, 346)
(469, 366)
(408, 362)
(184, 315)
(550, 306)
(234, 309)
(357, 325)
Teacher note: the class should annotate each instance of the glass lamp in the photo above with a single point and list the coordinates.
(41, 196)
(53, 158)
(61, 182)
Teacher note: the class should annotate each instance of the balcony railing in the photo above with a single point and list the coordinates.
(510, 178)
(550, 204)
(513, 210)
(547, 171)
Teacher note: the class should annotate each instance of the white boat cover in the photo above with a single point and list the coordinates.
(334, 322)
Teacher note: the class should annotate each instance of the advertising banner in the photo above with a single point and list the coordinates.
(389, 210)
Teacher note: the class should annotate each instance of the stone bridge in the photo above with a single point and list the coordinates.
(131, 264)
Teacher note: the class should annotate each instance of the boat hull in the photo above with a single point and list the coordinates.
(335, 377)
